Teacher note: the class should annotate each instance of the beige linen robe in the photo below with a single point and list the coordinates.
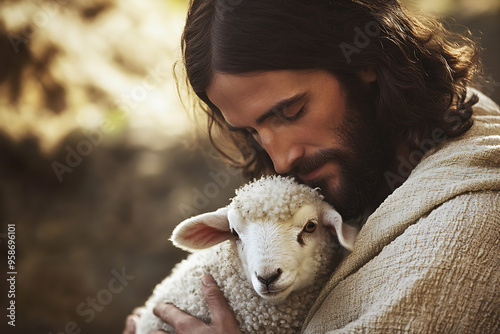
(428, 259)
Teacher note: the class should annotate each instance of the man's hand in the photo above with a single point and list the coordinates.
(130, 323)
(223, 319)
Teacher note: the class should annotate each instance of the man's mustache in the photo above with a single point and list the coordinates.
(309, 164)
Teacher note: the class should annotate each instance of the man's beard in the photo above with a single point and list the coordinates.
(362, 159)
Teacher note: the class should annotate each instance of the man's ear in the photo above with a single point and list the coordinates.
(345, 233)
(202, 231)
(368, 75)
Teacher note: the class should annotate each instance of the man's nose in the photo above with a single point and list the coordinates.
(282, 149)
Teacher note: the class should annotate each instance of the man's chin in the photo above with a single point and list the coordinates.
(345, 199)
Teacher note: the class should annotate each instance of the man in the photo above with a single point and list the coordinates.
(370, 103)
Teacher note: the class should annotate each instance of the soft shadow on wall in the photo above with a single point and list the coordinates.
(97, 164)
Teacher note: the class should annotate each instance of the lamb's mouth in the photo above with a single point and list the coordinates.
(276, 293)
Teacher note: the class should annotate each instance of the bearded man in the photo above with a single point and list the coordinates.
(372, 104)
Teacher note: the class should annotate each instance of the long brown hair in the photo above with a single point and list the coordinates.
(422, 68)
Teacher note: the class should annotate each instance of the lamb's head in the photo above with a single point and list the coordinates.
(282, 231)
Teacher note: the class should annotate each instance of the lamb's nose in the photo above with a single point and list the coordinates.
(269, 279)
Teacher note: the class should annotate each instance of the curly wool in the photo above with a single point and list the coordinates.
(273, 197)
(255, 314)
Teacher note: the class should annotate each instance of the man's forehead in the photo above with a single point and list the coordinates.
(250, 87)
(254, 94)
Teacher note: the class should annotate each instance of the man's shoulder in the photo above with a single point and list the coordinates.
(485, 105)
(442, 260)
(467, 208)
(474, 152)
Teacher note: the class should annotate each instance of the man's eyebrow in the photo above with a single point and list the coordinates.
(279, 106)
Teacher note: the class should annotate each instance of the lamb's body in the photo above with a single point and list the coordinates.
(254, 313)
(262, 311)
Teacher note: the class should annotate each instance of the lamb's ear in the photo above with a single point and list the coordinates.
(345, 233)
(202, 231)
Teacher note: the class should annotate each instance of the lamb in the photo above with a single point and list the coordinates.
(269, 250)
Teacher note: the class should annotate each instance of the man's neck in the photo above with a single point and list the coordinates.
(396, 174)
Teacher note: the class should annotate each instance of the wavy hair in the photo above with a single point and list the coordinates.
(423, 69)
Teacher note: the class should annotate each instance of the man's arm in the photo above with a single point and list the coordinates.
(442, 275)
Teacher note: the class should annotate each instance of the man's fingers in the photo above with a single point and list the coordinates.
(221, 313)
(130, 324)
(168, 312)
(223, 319)
(181, 321)
(138, 310)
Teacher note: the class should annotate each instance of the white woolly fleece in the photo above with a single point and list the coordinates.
(274, 198)
(255, 314)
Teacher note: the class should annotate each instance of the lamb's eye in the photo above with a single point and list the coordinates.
(310, 226)
(235, 233)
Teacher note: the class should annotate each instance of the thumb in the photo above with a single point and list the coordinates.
(217, 304)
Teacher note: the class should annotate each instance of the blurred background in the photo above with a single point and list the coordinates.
(99, 159)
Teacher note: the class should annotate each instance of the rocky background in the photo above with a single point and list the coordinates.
(98, 159)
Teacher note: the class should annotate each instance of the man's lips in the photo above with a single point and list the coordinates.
(308, 176)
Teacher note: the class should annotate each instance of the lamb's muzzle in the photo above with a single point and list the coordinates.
(269, 279)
